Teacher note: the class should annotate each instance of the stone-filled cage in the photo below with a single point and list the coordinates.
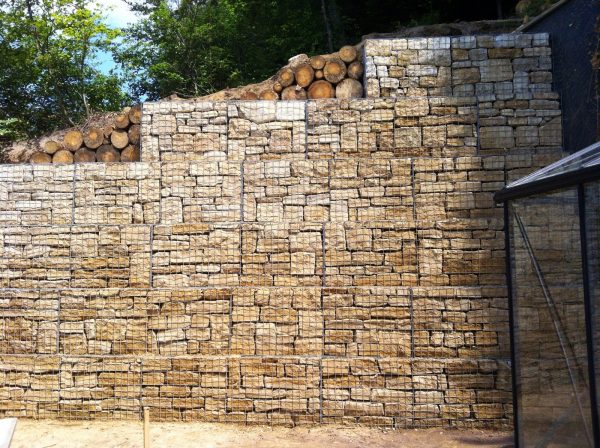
(553, 242)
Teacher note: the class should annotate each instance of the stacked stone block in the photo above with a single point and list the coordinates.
(507, 66)
(335, 261)
(117, 193)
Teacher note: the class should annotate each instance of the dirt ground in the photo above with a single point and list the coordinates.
(53, 434)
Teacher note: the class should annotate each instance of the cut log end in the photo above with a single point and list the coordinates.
(51, 146)
(40, 157)
(320, 89)
(285, 77)
(304, 75)
(317, 62)
(93, 138)
(62, 156)
(335, 70)
(277, 87)
(355, 70)
(134, 134)
(122, 121)
(318, 74)
(119, 139)
(349, 88)
(130, 154)
(83, 155)
(107, 153)
(348, 53)
(268, 95)
(135, 114)
(73, 140)
(293, 93)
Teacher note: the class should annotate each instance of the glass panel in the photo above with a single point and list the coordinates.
(550, 338)
(592, 208)
(585, 158)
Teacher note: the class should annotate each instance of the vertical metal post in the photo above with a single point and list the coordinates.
(511, 323)
(587, 303)
(146, 428)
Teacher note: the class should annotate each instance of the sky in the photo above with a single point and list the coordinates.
(118, 15)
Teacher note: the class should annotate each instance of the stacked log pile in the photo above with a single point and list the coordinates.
(116, 142)
(335, 75)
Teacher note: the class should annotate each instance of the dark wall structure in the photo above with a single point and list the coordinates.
(572, 28)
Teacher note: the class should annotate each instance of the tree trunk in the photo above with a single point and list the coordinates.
(73, 140)
(119, 139)
(349, 88)
(84, 155)
(327, 26)
(320, 89)
(335, 70)
(107, 153)
(93, 138)
(62, 156)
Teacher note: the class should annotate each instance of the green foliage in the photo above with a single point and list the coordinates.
(196, 47)
(48, 77)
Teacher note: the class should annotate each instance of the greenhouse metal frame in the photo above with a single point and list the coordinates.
(552, 231)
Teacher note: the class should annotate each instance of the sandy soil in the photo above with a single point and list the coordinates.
(53, 434)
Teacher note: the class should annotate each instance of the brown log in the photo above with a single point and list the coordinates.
(134, 134)
(40, 157)
(349, 88)
(348, 53)
(304, 75)
(93, 138)
(318, 74)
(277, 87)
(135, 114)
(293, 93)
(107, 153)
(268, 95)
(249, 96)
(285, 76)
(320, 89)
(84, 155)
(122, 121)
(335, 70)
(317, 62)
(130, 154)
(50, 147)
(73, 140)
(119, 139)
(355, 70)
(62, 156)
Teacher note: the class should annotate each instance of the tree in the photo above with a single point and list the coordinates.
(48, 77)
(197, 47)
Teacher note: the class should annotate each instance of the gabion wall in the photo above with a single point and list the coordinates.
(290, 262)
